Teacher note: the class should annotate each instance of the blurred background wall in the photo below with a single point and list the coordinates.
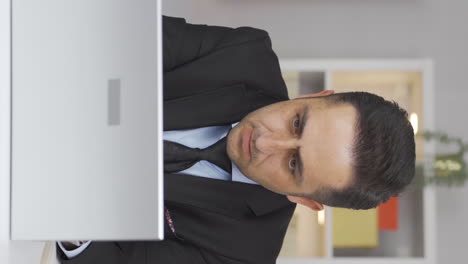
(370, 29)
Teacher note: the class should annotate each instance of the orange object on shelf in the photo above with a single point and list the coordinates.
(388, 215)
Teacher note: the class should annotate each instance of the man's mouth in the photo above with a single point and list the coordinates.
(247, 142)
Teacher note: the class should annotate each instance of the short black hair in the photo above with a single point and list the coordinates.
(383, 161)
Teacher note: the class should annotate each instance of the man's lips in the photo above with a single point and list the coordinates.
(246, 141)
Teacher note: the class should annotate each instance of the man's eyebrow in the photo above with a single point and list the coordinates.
(300, 164)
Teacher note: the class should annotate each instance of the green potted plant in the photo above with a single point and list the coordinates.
(446, 169)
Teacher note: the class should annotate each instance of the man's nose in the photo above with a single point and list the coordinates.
(274, 142)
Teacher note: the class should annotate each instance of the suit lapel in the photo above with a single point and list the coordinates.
(225, 197)
(221, 106)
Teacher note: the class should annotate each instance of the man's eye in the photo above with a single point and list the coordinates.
(292, 163)
(296, 123)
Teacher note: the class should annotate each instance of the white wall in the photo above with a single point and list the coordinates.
(370, 29)
(4, 131)
(17, 252)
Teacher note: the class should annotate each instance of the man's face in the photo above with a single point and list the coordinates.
(296, 146)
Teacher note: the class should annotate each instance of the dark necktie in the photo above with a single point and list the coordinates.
(178, 157)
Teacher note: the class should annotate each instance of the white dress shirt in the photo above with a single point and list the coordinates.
(195, 138)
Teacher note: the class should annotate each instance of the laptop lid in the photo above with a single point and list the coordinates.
(86, 155)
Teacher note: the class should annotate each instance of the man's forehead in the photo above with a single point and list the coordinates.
(327, 146)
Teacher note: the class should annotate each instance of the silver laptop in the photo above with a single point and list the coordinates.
(86, 157)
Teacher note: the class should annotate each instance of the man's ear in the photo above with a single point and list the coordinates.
(322, 93)
(316, 206)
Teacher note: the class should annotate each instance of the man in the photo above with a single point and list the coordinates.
(352, 150)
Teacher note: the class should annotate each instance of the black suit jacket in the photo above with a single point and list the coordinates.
(213, 75)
